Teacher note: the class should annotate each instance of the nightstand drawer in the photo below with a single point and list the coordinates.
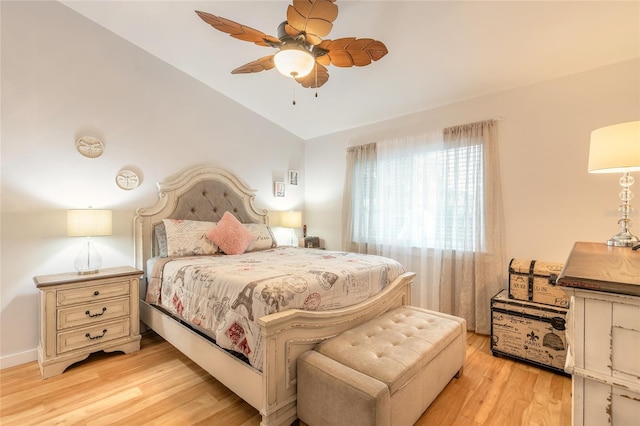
(94, 335)
(94, 292)
(93, 313)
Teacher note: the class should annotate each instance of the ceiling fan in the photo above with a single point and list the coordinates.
(302, 53)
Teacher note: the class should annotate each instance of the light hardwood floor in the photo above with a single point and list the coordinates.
(160, 386)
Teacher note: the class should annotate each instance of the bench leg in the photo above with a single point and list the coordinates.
(459, 373)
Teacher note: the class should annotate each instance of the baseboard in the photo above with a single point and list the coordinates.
(18, 359)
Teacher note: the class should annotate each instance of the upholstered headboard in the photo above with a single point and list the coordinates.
(202, 193)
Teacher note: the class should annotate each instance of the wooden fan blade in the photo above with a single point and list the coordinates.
(324, 60)
(239, 31)
(262, 64)
(310, 80)
(314, 18)
(350, 51)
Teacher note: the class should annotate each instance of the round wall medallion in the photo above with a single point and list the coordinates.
(127, 179)
(89, 146)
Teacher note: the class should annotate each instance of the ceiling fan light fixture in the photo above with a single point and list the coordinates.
(302, 52)
(293, 60)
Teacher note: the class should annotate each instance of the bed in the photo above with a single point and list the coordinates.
(262, 373)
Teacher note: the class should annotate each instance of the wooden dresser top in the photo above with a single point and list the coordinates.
(597, 266)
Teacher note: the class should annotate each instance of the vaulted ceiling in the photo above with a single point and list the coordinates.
(440, 52)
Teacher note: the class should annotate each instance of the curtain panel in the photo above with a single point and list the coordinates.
(433, 202)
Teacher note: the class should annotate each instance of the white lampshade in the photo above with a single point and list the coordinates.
(291, 219)
(293, 60)
(88, 223)
(615, 149)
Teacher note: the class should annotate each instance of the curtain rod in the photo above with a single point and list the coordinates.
(496, 118)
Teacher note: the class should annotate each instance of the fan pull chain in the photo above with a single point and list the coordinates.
(294, 92)
(316, 70)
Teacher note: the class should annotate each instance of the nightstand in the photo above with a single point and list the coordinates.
(311, 242)
(82, 314)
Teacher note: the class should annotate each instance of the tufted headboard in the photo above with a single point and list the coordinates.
(202, 193)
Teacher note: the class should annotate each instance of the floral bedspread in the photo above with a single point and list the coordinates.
(226, 294)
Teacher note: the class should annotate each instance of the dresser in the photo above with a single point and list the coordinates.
(82, 314)
(603, 331)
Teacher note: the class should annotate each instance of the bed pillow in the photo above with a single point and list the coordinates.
(161, 239)
(263, 237)
(230, 235)
(188, 237)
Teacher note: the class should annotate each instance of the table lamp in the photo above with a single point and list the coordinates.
(88, 223)
(616, 149)
(291, 220)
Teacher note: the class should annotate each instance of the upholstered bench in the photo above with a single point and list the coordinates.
(383, 372)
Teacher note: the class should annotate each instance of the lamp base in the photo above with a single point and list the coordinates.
(623, 239)
(88, 260)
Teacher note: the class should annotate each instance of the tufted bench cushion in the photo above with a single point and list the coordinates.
(385, 371)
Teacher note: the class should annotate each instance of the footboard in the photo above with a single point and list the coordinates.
(288, 334)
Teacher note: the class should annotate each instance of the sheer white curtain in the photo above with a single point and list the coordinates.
(432, 202)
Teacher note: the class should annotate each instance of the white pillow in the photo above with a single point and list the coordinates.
(188, 237)
(263, 238)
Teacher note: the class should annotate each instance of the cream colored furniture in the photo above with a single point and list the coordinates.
(81, 314)
(383, 372)
(205, 193)
(604, 333)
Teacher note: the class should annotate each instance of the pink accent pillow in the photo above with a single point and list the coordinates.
(230, 235)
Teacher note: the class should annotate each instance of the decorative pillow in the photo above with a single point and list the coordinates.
(263, 237)
(161, 239)
(188, 237)
(230, 235)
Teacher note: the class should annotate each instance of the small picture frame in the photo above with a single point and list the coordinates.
(278, 189)
(294, 175)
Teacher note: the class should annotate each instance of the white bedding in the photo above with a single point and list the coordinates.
(226, 294)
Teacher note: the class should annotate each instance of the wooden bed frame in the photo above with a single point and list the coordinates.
(204, 193)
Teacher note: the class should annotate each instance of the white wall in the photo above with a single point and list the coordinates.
(550, 200)
(63, 77)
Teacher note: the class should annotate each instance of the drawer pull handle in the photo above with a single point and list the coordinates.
(96, 293)
(104, 309)
(96, 337)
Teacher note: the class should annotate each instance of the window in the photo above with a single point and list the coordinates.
(419, 197)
